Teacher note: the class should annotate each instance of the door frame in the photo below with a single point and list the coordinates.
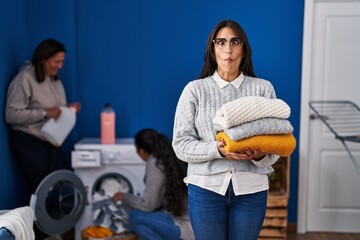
(304, 115)
(306, 71)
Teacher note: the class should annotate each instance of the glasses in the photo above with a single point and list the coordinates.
(221, 42)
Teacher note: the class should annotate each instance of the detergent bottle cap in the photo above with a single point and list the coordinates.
(108, 107)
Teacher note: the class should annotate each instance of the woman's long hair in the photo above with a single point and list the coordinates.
(210, 64)
(174, 169)
(45, 50)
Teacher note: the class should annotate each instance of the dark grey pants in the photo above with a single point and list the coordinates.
(36, 158)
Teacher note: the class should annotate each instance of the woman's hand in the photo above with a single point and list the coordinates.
(118, 196)
(244, 154)
(54, 112)
(256, 155)
(75, 105)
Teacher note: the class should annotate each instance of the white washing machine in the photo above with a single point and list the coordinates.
(64, 198)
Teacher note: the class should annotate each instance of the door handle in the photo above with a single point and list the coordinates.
(314, 117)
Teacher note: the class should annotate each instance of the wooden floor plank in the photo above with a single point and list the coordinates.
(323, 236)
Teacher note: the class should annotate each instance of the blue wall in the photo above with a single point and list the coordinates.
(139, 55)
(13, 52)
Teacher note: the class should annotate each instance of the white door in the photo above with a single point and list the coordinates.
(329, 184)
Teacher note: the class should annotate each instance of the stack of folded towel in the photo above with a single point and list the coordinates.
(255, 121)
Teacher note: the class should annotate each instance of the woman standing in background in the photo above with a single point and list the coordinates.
(162, 212)
(34, 96)
(227, 191)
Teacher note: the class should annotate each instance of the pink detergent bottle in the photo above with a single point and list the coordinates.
(108, 125)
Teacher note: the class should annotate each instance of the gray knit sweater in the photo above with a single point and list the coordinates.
(194, 135)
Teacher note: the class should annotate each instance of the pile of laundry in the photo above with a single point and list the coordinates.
(254, 121)
(17, 224)
(110, 218)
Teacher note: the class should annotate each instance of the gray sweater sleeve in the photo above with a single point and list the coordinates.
(18, 110)
(154, 190)
(186, 142)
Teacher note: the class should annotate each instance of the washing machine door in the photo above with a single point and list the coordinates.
(58, 202)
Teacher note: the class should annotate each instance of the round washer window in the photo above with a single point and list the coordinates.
(58, 202)
(111, 183)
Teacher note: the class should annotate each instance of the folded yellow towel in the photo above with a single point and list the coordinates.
(280, 144)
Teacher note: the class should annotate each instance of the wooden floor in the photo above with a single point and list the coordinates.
(323, 236)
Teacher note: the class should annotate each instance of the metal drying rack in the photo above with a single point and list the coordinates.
(343, 119)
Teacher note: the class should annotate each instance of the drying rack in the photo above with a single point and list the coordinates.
(343, 119)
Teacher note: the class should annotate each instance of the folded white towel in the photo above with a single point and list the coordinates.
(247, 109)
(19, 222)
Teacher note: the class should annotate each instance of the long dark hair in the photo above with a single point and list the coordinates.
(160, 147)
(45, 50)
(210, 65)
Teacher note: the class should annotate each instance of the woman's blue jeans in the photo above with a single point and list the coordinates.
(157, 225)
(228, 217)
